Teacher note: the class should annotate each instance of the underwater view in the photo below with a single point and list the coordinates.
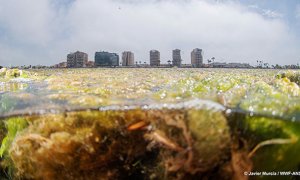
(149, 123)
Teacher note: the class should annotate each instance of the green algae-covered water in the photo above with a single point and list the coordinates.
(149, 123)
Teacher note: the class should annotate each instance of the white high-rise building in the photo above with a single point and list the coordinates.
(127, 58)
(176, 58)
(154, 58)
(197, 57)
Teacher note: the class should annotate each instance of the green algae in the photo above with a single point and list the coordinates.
(251, 90)
(13, 126)
(293, 76)
(272, 144)
(13, 73)
(12, 80)
(156, 143)
(211, 137)
(88, 145)
(272, 98)
(163, 143)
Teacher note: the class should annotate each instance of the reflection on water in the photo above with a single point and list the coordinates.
(12, 86)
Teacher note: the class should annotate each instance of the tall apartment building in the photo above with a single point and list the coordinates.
(106, 59)
(77, 59)
(197, 57)
(127, 58)
(176, 58)
(154, 58)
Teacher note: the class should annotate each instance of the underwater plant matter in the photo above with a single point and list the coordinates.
(150, 123)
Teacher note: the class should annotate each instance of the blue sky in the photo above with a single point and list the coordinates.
(45, 31)
(288, 10)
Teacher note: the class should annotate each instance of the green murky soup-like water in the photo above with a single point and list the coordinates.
(148, 123)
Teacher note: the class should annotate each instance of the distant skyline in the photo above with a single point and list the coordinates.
(45, 31)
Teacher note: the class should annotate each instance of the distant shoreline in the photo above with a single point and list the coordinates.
(118, 67)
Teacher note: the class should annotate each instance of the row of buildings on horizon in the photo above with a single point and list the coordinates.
(107, 59)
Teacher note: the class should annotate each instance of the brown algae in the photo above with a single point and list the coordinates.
(148, 123)
(88, 145)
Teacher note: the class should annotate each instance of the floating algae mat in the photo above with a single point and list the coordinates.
(149, 123)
